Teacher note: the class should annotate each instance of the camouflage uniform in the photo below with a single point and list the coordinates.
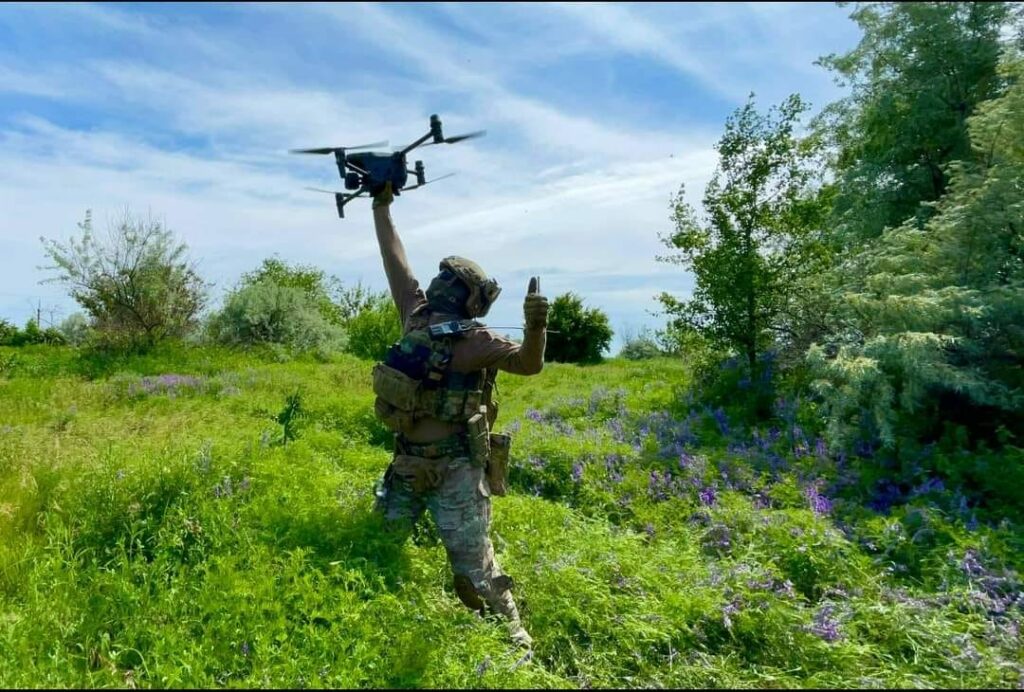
(431, 469)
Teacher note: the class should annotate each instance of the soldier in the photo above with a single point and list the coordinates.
(435, 390)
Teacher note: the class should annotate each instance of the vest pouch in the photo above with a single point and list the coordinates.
(393, 418)
(479, 438)
(497, 464)
(457, 405)
(395, 387)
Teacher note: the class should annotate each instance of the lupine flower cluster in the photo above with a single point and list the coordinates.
(826, 624)
(819, 504)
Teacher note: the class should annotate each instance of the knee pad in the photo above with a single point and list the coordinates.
(468, 594)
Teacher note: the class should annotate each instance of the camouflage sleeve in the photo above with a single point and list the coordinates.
(405, 289)
(484, 349)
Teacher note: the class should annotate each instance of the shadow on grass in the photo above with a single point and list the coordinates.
(355, 538)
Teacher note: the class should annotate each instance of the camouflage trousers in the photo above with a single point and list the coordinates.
(457, 495)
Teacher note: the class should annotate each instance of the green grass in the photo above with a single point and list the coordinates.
(162, 535)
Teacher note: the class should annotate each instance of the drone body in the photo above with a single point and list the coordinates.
(367, 172)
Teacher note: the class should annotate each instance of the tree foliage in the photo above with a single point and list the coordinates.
(756, 240)
(583, 334)
(917, 75)
(137, 284)
(936, 310)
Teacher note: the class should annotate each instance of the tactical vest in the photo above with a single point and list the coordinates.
(415, 380)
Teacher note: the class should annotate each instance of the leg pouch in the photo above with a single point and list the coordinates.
(497, 465)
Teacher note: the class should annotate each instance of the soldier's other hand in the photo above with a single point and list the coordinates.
(535, 307)
(385, 197)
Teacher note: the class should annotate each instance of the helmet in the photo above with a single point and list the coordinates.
(483, 291)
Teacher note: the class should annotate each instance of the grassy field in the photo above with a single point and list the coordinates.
(158, 528)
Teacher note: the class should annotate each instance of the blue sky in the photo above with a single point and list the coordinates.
(596, 114)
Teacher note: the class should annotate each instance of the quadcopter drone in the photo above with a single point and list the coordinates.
(367, 172)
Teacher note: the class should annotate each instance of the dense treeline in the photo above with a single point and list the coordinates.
(879, 257)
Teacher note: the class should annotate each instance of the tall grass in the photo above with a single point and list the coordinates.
(156, 531)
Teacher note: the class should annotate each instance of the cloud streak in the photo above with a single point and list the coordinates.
(196, 125)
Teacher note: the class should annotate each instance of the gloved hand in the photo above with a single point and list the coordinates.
(385, 197)
(535, 307)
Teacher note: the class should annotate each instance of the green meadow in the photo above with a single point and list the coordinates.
(183, 519)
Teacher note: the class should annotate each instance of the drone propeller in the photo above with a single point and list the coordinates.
(317, 189)
(331, 150)
(459, 138)
(434, 180)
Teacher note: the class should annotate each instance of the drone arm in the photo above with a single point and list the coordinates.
(418, 142)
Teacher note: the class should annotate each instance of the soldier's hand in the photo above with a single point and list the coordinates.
(385, 197)
(535, 307)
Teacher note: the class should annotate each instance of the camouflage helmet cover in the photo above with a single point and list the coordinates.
(483, 291)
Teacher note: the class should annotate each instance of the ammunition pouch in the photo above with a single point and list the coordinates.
(497, 463)
(479, 438)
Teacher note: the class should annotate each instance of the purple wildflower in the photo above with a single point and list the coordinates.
(825, 625)
(785, 589)
(535, 415)
(819, 504)
(723, 421)
(649, 529)
(929, 486)
(718, 536)
(514, 426)
(577, 472)
(729, 609)
(821, 449)
(971, 565)
(245, 648)
(708, 496)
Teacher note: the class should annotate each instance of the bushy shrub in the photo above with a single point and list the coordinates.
(75, 329)
(641, 346)
(373, 327)
(583, 334)
(31, 334)
(265, 313)
(317, 286)
(137, 284)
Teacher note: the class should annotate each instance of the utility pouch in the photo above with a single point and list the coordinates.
(395, 387)
(497, 465)
(396, 420)
(422, 475)
(479, 438)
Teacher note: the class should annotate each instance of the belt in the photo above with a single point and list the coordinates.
(451, 446)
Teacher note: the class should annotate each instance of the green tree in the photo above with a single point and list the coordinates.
(762, 211)
(916, 76)
(583, 334)
(936, 311)
(137, 285)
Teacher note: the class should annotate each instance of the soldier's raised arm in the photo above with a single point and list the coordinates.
(405, 289)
